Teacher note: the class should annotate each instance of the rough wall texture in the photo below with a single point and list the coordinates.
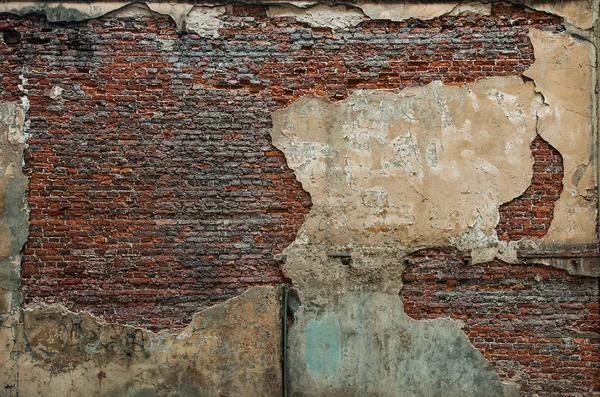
(232, 349)
(175, 150)
(148, 125)
(537, 326)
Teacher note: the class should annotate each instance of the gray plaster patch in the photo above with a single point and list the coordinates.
(364, 344)
(14, 212)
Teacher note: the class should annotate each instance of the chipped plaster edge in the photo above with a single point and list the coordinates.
(71, 11)
(179, 333)
(14, 216)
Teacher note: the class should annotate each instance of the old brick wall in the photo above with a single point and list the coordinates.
(155, 190)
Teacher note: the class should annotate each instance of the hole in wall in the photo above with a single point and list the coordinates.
(11, 36)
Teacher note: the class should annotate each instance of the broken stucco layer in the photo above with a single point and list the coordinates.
(563, 74)
(389, 172)
(203, 18)
(14, 214)
(232, 349)
(523, 318)
(409, 168)
(581, 14)
(320, 308)
(366, 345)
(393, 171)
(14, 218)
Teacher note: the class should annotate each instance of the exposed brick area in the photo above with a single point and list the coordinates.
(154, 188)
(538, 326)
(530, 214)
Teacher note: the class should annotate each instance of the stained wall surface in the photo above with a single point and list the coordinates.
(420, 180)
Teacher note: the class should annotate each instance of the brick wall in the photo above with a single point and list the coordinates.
(154, 188)
(530, 214)
(538, 326)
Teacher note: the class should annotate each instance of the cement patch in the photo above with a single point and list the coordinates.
(231, 349)
(364, 344)
(14, 214)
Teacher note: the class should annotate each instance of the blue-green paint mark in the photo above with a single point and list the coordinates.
(323, 348)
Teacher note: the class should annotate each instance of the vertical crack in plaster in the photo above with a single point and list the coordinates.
(563, 74)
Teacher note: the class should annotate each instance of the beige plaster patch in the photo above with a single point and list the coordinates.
(474, 8)
(230, 349)
(580, 13)
(205, 21)
(336, 17)
(563, 74)
(415, 168)
(406, 10)
(135, 10)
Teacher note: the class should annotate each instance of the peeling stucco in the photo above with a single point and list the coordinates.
(580, 14)
(423, 11)
(199, 19)
(388, 173)
(205, 21)
(563, 74)
(408, 168)
(230, 349)
(343, 14)
(62, 11)
(366, 345)
(393, 171)
(337, 17)
(14, 214)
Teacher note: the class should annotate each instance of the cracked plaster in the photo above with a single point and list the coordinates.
(563, 74)
(341, 15)
(409, 168)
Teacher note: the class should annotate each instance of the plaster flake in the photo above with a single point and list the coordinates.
(205, 21)
(402, 11)
(563, 74)
(135, 10)
(581, 14)
(334, 17)
(177, 12)
(373, 180)
(62, 11)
